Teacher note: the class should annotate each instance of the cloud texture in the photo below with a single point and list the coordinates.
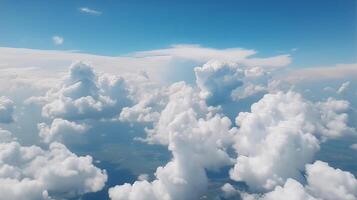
(33, 173)
(280, 135)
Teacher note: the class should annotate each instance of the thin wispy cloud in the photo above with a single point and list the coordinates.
(57, 40)
(89, 11)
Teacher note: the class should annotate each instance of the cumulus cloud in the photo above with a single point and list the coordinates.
(216, 80)
(229, 191)
(323, 182)
(273, 142)
(143, 177)
(280, 135)
(334, 118)
(159, 63)
(33, 173)
(58, 129)
(224, 81)
(148, 98)
(292, 189)
(84, 95)
(57, 40)
(197, 139)
(89, 11)
(328, 183)
(6, 110)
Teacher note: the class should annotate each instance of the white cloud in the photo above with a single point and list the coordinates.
(229, 191)
(89, 11)
(328, 183)
(217, 80)
(249, 90)
(225, 81)
(58, 129)
(149, 99)
(334, 118)
(291, 190)
(57, 40)
(338, 71)
(275, 140)
(6, 110)
(280, 135)
(84, 95)
(343, 87)
(198, 53)
(323, 183)
(204, 54)
(5, 136)
(197, 139)
(143, 177)
(32, 173)
(181, 98)
(159, 64)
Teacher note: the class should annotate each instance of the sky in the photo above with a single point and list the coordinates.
(178, 100)
(316, 32)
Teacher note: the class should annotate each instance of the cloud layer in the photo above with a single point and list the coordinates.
(197, 139)
(280, 135)
(32, 173)
(323, 182)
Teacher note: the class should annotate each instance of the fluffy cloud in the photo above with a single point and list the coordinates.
(292, 189)
(334, 118)
(6, 110)
(148, 98)
(323, 182)
(161, 64)
(30, 172)
(249, 90)
(58, 129)
(84, 95)
(222, 81)
(216, 80)
(197, 139)
(181, 98)
(328, 183)
(57, 40)
(280, 135)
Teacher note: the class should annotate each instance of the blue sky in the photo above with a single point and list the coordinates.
(323, 32)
